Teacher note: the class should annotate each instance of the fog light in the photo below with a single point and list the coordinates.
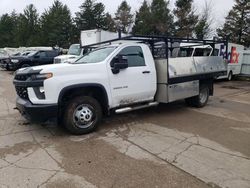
(41, 89)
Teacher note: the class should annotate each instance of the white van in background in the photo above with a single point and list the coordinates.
(234, 59)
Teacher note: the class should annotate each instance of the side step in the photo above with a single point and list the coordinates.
(128, 109)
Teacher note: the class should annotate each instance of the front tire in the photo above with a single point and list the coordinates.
(82, 115)
(200, 100)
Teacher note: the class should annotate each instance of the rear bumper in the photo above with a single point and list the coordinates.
(36, 113)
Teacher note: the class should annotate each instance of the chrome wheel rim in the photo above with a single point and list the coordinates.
(83, 116)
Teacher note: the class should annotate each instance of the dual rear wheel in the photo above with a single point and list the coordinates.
(201, 99)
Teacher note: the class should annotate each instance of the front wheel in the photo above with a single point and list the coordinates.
(82, 115)
(201, 99)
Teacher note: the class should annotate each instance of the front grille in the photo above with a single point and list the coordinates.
(21, 77)
(22, 92)
(56, 61)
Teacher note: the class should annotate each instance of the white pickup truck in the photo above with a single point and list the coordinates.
(117, 77)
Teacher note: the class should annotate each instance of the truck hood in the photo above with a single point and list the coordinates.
(43, 68)
(51, 67)
(63, 69)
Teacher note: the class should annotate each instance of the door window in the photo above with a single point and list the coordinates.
(134, 55)
(42, 54)
(51, 53)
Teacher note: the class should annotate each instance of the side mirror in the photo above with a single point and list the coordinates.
(36, 56)
(118, 63)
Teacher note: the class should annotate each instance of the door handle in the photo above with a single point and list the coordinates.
(145, 72)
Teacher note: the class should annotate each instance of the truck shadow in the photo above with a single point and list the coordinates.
(170, 109)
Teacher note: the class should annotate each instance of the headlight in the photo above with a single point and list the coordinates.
(14, 60)
(41, 76)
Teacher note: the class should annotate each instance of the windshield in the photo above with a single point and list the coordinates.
(74, 50)
(97, 55)
(26, 53)
(32, 53)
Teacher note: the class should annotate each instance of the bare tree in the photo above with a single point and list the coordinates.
(204, 29)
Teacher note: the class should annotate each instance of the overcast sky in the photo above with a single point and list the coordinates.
(221, 7)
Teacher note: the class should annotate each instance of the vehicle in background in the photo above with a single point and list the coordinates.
(119, 78)
(192, 50)
(234, 59)
(88, 37)
(4, 63)
(245, 68)
(10, 53)
(32, 58)
(25, 53)
(13, 51)
(75, 52)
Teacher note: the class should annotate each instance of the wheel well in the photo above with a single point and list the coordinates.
(97, 92)
(210, 84)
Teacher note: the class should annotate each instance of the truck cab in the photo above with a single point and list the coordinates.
(117, 78)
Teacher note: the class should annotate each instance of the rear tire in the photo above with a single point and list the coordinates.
(230, 76)
(200, 100)
(82, 115)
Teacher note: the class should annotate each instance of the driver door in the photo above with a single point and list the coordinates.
(41, 58)
(133, 84)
